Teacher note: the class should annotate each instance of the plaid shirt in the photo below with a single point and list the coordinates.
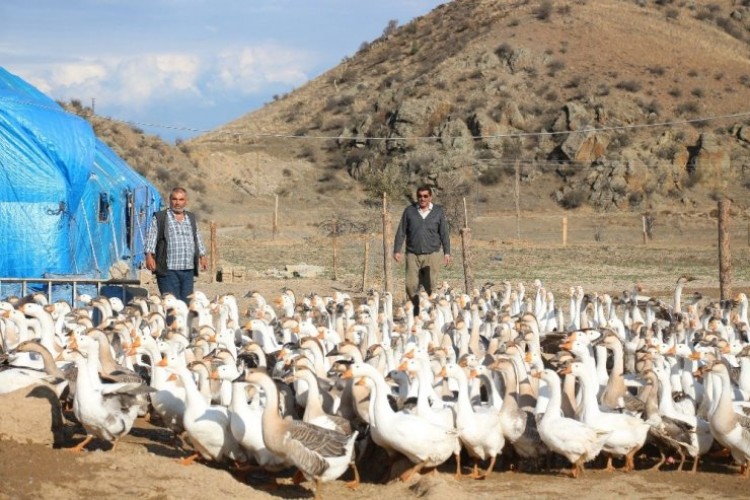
(180, 247)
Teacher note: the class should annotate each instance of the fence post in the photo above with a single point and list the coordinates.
(466, 252)
(725, 254)
(645, 235)
(565, 230)
(275, 227)
(517, 198)
(213, 254)
(366, 263)
(334, 243)
(387, 243)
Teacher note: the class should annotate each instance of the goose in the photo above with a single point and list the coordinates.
(627, 433)
(245, 423)
(666, 433)
(422, 442)
(724, 423)
(207, 426)
(63, 374)
(106, 411)
(320, 454)
(479, 431)
(168, 400)
(700, 437)
(574, 440)
(518, 425)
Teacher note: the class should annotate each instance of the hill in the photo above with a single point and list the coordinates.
(613, 105)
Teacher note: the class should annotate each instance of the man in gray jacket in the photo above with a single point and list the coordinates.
(424, 227)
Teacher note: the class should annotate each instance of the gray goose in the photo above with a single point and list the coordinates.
(320, 454)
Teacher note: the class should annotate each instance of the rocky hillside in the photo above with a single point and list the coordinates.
(611, 104)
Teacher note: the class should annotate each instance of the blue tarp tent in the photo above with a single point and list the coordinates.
(69, 206)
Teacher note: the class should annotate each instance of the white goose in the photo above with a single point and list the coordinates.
(424, 443)
(106, 411)
(627, 433)
(574, 440)
(724, 422)
(479, 431)
(206, 425)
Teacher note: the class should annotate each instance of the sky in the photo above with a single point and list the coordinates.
(179, 68)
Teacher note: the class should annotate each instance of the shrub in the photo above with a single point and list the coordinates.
(504, 51)
(698, 92)
(554, 67)
(657, 70)
(543, 11)
(675, 92)
(574, 82)
(573, 198)
(390, 28)
(687, 108)
(491, 176)
(198, 186)
(629, 85)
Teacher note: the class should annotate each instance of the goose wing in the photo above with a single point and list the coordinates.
(321, 441)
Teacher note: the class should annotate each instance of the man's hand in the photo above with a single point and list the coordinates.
(150, 262)
(203, 262)
(397, 256)
(447, 259)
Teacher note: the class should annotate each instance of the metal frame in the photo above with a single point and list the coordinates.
(67, 281)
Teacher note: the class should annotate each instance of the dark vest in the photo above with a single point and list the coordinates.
(161, 242)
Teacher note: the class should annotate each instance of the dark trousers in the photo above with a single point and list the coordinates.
(178, 283)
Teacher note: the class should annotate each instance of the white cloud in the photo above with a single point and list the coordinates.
(136, 82)
(249, 69)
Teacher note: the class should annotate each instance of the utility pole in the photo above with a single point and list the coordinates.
(93, 105)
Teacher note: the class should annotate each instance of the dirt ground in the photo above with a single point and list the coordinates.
(145, 464)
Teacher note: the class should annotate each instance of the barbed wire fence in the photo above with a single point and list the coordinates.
(340, 239)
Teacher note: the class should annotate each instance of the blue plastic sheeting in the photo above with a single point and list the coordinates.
(69, 206)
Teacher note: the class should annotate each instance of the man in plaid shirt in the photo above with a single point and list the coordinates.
(174, 248)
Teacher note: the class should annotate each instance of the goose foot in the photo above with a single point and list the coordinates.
(80, 446)
(660, 462)
(189, 460)
(609, 467)
(354, 484)
(298, 477)
(410, 472)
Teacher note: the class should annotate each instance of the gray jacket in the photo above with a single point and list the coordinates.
(423, 236)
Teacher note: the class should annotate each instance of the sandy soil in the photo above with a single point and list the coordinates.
(145, 465)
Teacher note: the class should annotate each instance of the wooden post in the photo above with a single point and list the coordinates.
(645, 234)
(213, 257)
(725, 254)
(334, 243)
(275, 216)
(565, 231)
(748, 234)
(366, 263)
(517, 197)
(387, 247)
(466, 252)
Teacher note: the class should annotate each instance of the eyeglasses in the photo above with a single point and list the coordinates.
(423, 196)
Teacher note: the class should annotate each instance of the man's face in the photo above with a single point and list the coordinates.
(424, 198)
(177, 202)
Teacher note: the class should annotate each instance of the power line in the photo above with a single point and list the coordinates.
(513, 135)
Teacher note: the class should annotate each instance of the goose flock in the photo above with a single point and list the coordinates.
(496, 376)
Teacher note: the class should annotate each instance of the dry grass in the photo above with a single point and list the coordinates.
(614, 263)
